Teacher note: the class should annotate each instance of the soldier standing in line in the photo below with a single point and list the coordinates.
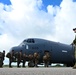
(19, 58)
(24, 59)
(3, 54)
(46, 59)
(11, 57)
(1, 59)
(36, 58)
(31, 61)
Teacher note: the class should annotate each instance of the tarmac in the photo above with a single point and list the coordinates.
(38, 71)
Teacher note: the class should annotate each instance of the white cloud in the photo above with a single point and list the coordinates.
(6, 42)
(65, 21)
(24, 18)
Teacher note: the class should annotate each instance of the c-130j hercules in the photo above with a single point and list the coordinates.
(60, 53)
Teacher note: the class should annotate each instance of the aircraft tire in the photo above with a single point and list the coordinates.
(31, 64)
(68, 65)
(71, 64)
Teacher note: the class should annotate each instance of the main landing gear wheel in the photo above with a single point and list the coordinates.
(31, 64)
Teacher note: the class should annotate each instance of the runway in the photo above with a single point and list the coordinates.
(38, 71)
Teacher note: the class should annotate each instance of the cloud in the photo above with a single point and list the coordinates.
(65, 21)
(26, 18)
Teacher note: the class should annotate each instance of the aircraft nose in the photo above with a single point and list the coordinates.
(13, 48)
(16, 49)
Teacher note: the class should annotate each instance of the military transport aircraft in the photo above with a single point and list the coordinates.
(60, 53)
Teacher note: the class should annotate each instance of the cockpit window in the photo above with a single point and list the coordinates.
(30, 41)
(22, 44)
(24, 40)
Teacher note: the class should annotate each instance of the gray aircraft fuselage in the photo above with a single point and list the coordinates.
(60, 53)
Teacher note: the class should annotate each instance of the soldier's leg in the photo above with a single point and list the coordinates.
(47, 64)
(36, 62)
(44, 64)
(10, 61)
(1, 64)
(18, 63)
(23, 63)
(29, 63)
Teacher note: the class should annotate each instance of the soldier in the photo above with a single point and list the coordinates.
(3, 54)
(31, 61)
(11, 57)
(19, 57)
(46, 59)
(36, 58)
(1, 59)
(24, 59)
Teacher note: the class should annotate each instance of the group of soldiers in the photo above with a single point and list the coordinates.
(20, 57)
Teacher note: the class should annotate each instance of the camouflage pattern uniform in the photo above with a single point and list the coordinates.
(46, 59)
(1, 59)
(31, 61)
(19, 58)
(24, 59)
(3, 55)
(36, 58)
(11, 57)
(74, 44)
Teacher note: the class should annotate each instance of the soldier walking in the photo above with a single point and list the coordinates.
(3, 55)
(11, 57)
(46, 59)
(31, 61)
(24, 59)
(1, 59)
(19, 57)
(36, 59)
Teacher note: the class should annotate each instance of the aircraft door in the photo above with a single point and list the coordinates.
(28, 49)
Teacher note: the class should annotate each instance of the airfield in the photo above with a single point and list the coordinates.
(38, 71)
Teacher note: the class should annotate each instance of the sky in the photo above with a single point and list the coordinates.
(47, 19)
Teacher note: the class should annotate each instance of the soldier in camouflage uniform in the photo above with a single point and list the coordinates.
(24, 59)
(1, 59)
(46, 59)
(19, 57)
(3, 54)
(74, 44)
(11, 57)
(36, 58)
(31, 61)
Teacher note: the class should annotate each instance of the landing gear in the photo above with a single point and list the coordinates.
(70, 64)
(31, 64)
